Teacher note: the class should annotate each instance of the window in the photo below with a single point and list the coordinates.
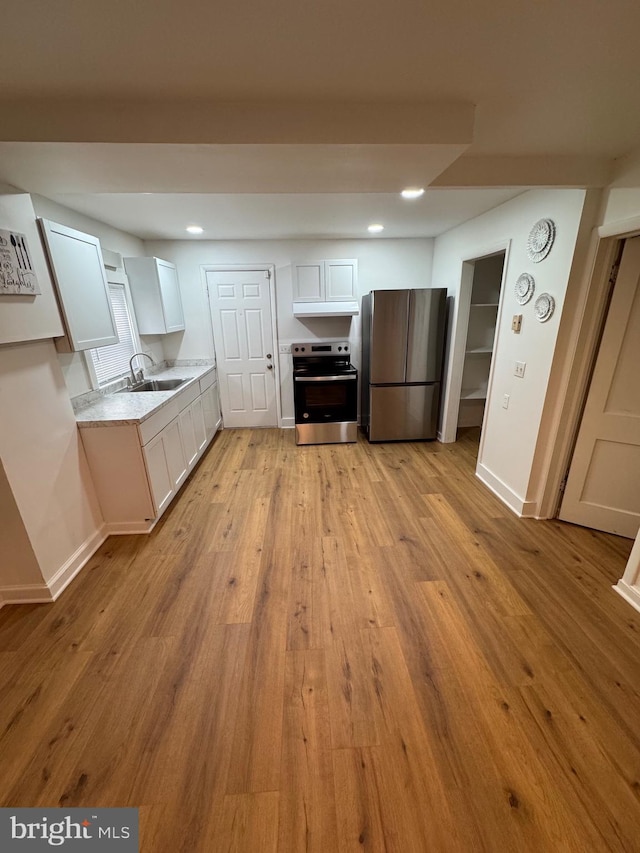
(112, 362)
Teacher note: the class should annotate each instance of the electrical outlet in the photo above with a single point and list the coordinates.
(516, 323)
(284, 348)
(505, 401)
(519, 368)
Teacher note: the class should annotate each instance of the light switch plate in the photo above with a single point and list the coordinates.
(516, 323)
(505, 401)
(519, 368)
(284, 348)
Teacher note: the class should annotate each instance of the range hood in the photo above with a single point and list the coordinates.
(326, 309)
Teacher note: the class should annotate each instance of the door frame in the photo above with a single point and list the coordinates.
(258, 267)
(457, 336)
(605, 245)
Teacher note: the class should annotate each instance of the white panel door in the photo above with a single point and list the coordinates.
(240, 305)
(603, 487)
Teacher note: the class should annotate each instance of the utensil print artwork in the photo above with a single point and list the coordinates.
(25, 253)
(16, 270)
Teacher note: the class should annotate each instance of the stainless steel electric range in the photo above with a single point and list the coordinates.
(325, 393)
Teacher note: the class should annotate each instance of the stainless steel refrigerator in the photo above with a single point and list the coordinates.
(403, 336)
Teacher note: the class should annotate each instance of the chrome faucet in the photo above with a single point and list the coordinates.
(138, 377)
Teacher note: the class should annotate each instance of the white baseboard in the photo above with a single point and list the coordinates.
(63, 577)
(35, 593)
(629, 593)
(506, 494)
(288, 423)
(45, 593)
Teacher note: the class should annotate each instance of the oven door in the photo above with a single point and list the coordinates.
(326, 399)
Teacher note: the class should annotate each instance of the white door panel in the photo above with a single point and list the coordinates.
(240, 306)
(259, 400)
(603, 487)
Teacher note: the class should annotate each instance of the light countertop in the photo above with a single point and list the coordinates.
(133, 408)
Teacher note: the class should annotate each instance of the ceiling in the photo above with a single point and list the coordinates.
(288, 101)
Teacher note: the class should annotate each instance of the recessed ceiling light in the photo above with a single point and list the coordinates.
(412, 192)
(194, 229)
(376, 228)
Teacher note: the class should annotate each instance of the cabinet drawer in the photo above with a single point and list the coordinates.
(207, 380)
(158, 421)
(186, 397)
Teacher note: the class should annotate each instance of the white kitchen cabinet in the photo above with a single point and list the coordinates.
(138, 469)
(199, 430)
(166, 465)
(188, 435)
(155, 291)
(210, 406)
(325, 281)
(78, 271)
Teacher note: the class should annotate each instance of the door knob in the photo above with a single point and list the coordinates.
(269, 367)
(269, 355)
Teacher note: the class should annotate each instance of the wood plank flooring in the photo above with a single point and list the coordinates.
(335, 648)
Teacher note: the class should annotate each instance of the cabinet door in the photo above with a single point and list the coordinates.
(211, 410)
(173, 448)
(160, 479)
(308, 282)
(340, 278)
(81, 282)
(199, 431)
(188, 436)
(170, 296)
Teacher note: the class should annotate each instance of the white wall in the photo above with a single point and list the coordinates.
(621, 204)
(381, 264)
(73, 364)
(510, 435)
(19, 565)
(43, 460)
(27, 317)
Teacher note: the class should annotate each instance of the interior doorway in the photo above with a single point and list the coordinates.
(241, 309)
(483, 277)
(603, 484)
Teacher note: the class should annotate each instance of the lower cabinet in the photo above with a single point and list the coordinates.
(211, 411)
(138, 470)
(166, 465)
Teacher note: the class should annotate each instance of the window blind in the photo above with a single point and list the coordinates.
(112, 362)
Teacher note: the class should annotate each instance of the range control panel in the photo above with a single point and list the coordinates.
(319, 348)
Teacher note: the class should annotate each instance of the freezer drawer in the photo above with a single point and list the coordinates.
(404, 412)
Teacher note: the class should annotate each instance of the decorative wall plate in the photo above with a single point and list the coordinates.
(541, 239)
(525, 286)
(544, 307)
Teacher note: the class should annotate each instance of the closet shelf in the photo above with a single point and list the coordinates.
(479, 350)
(484, 304)
(475, 394)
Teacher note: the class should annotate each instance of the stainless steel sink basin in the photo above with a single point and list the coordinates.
(157, 385)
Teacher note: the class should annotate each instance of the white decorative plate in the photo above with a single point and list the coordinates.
(525, 286)
(544, 307)
(541, 239)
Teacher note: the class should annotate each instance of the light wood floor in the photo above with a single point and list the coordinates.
(335, 648)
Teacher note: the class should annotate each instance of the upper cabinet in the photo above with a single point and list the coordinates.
(78, 271)
(325, 288)
(325, 281)
(156, 295)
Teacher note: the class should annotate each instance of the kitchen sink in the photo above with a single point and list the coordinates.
(157, 385)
